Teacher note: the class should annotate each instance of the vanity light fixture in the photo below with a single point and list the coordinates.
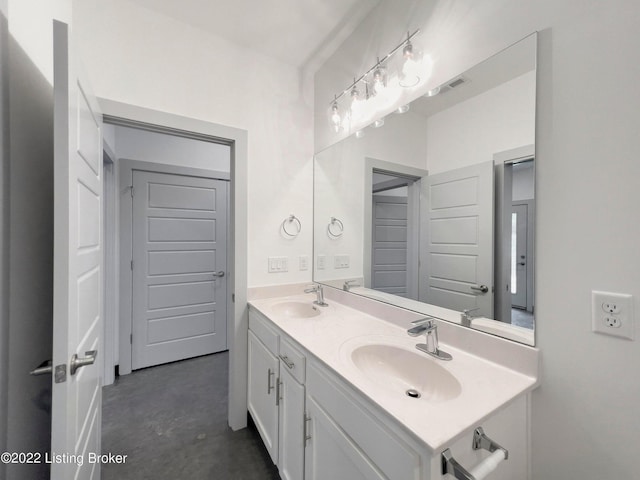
(376, 79)
(335, 116)
(409, 76)
(379, 77)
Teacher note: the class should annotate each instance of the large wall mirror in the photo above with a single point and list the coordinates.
(434, 210)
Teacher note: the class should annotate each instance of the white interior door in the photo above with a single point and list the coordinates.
(458, 245)
(389, 245)
(519, 261)
(77, 299)
(179, 267)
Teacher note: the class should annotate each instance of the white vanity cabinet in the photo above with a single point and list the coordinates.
(276, 396)
(261, 395)
(317, 425)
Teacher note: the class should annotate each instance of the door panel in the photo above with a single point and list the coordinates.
(179, 245)
(389, 242)
(76, 402)
(459, 239)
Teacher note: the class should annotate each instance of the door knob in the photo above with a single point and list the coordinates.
(481, 288)
(44, 368)
(218, 274)
(77, 363)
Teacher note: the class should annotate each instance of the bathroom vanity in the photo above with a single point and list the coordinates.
(341, 392)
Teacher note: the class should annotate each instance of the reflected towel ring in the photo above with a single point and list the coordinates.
(335, 228)
(297, 226)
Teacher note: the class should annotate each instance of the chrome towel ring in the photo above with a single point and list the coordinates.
(335, 228)
(293, 224)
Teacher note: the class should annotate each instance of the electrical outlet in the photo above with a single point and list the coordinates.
(612, 314)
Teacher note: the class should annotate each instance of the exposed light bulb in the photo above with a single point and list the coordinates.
(335, 116)
(403, 109)
(379, 78)
(360, 134)
(409, 76)
(378, 123)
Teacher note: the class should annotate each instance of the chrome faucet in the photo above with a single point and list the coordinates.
(348, 284)
(428, 327)
(317, 289)
(465, 317)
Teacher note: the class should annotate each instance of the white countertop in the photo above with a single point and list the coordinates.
(485, 385)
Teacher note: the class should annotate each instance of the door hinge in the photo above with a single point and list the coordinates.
(305, 435)
(131, 187)
(131, 264)
(233, 298)
(131, 338)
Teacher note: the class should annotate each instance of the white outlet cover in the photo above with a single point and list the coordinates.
(612, 314)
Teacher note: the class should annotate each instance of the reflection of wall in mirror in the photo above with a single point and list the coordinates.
(472, 131)
(339, 188)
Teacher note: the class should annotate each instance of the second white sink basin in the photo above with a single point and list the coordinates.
(405, 371)
(296, 309)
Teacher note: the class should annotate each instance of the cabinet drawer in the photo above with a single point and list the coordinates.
(263, 331)
(292, 360)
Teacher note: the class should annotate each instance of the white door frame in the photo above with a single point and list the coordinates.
(237, 311)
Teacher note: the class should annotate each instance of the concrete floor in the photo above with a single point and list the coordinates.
(171, 422)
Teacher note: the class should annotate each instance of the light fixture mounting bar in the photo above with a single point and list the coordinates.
(376, 65)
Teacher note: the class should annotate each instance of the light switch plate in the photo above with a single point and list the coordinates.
(321, 262)
(303, 262)
(612, 314)
(278, 264)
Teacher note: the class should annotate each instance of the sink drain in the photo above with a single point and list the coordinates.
(413, 393)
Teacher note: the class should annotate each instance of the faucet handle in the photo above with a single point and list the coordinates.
(467, 311)
(423, 321)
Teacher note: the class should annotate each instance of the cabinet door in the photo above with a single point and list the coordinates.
(261, 397)
(330, 453)
(291, 427)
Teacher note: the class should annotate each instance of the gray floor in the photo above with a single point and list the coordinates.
(522, 318)
(171, 421)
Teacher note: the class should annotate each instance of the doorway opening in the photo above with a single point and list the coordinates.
(394, 251)
(145, 122)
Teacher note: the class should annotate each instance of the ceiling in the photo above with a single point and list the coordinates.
(293, 31)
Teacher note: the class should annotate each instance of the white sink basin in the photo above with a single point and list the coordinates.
(402, 370)
(296, 309)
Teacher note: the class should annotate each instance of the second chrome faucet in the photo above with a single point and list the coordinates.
(317, 289)
(430, 329)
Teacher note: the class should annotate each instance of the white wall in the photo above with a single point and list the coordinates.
(4, 226)
(136, 56)
(340, 187)
(472, 131)
(136, 144)
(585, 420)
(523, 182)
(30, 236)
